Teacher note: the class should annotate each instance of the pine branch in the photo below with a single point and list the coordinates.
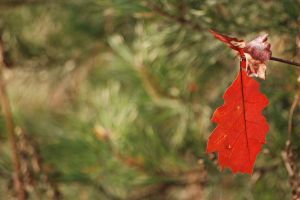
(179, 19)
(183, 21)
(154, 91)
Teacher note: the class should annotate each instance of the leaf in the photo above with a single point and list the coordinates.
(233, 43)
(256, 52)
(241, 129)
(259, 48)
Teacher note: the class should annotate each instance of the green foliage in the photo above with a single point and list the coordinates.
(119, 96)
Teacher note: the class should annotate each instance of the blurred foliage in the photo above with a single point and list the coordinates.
(119, 95)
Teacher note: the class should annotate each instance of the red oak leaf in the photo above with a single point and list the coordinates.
(241, 129)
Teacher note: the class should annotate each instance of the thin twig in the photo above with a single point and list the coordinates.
(183, 21)
(179, 19)
(5, 104)
(285, 61)
(289, 155)
(288, 151)
(291, 114)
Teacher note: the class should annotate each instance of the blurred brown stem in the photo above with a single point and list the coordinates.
(18, 182)
(291, 114)
(285, 61)
(289, 155)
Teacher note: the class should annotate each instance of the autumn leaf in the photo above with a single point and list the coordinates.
(233, 43)
(255, 53)
(241, 129)
(259, 48)
(258, 52)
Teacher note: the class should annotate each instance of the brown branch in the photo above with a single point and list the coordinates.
(285, 61)
(289, 155)
(289, 159)
(5, 104)
(36, 178)
(291, 114)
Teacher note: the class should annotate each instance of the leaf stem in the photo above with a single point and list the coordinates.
(285, 61)
(244, 112)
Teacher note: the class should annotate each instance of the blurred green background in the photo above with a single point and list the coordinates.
(112, 99)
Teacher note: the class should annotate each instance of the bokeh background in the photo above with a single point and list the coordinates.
(112, 99)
